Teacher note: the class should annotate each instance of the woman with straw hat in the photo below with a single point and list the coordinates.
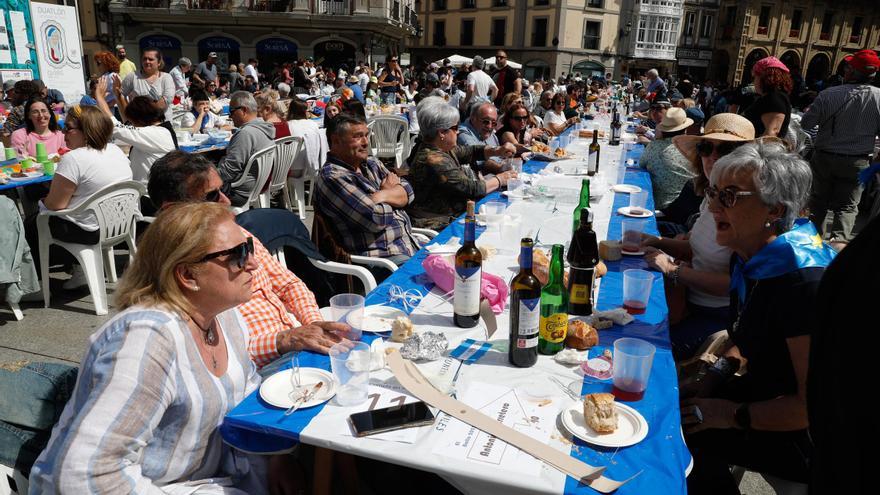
(697, 263)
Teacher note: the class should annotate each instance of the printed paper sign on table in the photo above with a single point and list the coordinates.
(59, 52)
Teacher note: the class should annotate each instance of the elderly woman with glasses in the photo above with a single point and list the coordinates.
(554, 117)
(158, 378)
(758, 420)
(441, 171)
(696, 267)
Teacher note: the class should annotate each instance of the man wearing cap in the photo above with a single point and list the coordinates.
(478, 130)
(126, 66)
(670, 170)
(178, 74)
(656, 113)
(207, 71)
(506, 78)
(480, 87)
(355, 86)
(848, 117)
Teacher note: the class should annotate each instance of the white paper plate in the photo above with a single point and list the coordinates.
(633, 253)
(518, 194)
(276, 390)
(627, 212)
(29, 176)
(625, 188)
(631, 426)
(378, 319)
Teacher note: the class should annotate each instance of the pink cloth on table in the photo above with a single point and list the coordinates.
(493, 288)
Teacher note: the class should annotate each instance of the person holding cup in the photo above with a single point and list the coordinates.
(40, 127)
(696, 266)
(757, 198)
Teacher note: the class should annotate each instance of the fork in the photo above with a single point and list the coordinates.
(565, 389)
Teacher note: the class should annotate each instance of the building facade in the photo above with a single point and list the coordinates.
(333, 32)
(810, 37)
(550, 38)
(697, 39)
(650, 35)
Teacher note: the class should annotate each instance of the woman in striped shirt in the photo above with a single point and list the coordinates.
(159, 377)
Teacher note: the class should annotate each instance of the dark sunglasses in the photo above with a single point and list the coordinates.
(500, 56)
(232, 110)
(213, 196)
(239, 254)
(727, 196)
(705, 148)
(519, 117)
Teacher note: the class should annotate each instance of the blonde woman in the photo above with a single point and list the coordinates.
(268, 108)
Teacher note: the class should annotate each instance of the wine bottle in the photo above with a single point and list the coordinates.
(583, 255)
(525, 310)
(593, 160)
(615, 130)
(583, 203)
(554, 308)
(468, 275)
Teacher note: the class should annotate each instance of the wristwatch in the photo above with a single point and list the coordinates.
(742, 417)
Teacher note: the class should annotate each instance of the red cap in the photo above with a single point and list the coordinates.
(864, 61)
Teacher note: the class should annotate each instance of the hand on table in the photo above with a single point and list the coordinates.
(660, 261)
(506, 150)
(506, 176)
(650, 240)
(319, 336)
(702, 414)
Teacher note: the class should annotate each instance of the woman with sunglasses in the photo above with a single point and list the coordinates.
(441, 172)
(554, 118)
(515, 128)
(92, 164)
(160, 376)
(695, 265)
(757, 199)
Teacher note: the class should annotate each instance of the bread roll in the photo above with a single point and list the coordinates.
(581, 336)
(541, 267)
(401, 329)
(600, 413)
(601, 269)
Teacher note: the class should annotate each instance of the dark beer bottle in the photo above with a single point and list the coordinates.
(616, 127)
(468, 275)
(593, 160)
(554, 308)
(583, 255)
(525, 310)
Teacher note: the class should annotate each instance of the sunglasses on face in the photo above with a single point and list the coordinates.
(519, 117)
(727, 196)
(706, 148)
(232, 110)
(213, 196)
(238, 255)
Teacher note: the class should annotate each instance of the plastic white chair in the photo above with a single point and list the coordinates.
(117, 210)
(286, 149)
(389, 138)
(262, 160)
(12, 481)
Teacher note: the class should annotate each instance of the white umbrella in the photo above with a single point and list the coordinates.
(491, 61)
(456, 60)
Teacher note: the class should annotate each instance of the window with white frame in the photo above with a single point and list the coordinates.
(706, 28)
(689, 21)
(657, 33)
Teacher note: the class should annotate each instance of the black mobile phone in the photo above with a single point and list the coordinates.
(391, 418)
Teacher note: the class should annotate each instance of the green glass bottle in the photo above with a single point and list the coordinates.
(583, 203)
(554, 308)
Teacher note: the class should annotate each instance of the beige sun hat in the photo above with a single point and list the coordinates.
(675, 120)
(720, 127)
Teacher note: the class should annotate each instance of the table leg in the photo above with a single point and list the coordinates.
(323, 471)
(28, 207)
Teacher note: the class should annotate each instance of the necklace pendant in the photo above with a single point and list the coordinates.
(214, 361)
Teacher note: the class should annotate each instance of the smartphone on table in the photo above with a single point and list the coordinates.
(391, 418)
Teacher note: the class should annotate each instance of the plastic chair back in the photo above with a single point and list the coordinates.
(261, 160)
(389, 136)
(286, 150)
(118, 210)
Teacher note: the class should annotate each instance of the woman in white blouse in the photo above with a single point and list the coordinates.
(151, 82)
(554, 119)
(147, 135)
(159, 377)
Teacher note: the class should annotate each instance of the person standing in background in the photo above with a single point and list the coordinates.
(178, 75)
(126, 66)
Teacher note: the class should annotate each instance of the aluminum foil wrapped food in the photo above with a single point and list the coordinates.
(425, 345)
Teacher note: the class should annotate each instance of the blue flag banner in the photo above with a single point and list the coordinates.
(800, 247)
(470, 350)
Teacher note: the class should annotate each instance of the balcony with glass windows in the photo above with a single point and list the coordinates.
(660, 7)
(400, 13)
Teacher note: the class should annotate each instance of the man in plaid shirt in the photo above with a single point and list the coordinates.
(362, 199)
(282, 314)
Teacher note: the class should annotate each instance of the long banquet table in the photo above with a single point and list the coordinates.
(660, 461)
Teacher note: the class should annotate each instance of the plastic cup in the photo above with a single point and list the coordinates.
(632, 368)
(41, 152)
(350, 362)
(49, 167)
(514, 184)
(349, 308)
(493, 211)
(511, 230)
(631, 237)
(636, 290)
(638, 199)
(10, 153)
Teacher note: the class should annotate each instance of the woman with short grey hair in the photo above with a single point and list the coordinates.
(757, 198)
(441, 171)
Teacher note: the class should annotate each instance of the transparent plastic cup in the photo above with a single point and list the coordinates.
(631, 235)
(632, 367)
(637, 290)
(350, 362)
(638, 199)
(349, 308)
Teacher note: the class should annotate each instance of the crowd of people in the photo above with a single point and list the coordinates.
(204, 306)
